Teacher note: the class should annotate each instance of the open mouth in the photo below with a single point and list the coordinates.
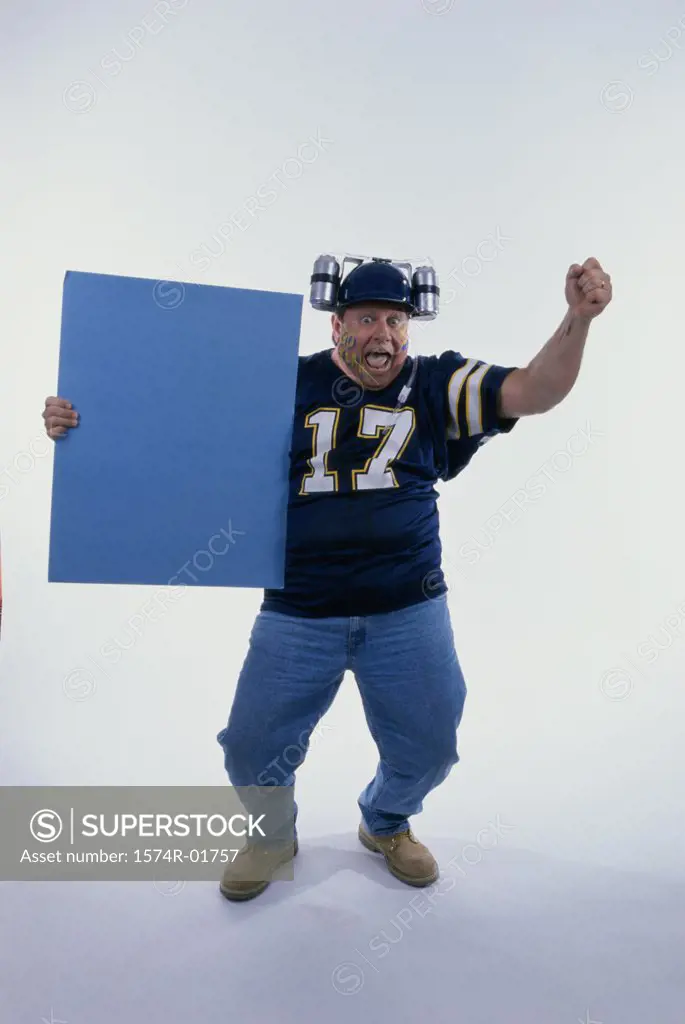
(378, 360)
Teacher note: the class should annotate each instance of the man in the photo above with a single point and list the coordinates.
(373, 431)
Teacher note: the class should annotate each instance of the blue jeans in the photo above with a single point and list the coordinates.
(412, 691)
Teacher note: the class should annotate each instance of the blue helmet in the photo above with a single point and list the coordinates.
(375, 280)
(378, 280)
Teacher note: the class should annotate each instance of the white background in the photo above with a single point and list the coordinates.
(556, 126)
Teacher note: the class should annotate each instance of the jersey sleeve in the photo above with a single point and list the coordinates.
(472, 389)
(468, 403)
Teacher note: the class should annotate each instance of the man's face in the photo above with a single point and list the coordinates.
(371, 343)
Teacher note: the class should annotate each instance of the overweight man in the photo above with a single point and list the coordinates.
(374, 429)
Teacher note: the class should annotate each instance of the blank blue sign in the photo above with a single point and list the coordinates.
(178, 469)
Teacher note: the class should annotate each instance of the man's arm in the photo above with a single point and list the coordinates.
(551, 374)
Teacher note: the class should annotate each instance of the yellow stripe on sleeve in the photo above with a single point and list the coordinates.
(454, 390)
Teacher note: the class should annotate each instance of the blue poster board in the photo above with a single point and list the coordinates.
(179, 465)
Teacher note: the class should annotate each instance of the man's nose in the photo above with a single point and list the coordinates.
(382, 331)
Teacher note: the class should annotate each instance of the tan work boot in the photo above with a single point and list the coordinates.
(255, 861)
(407, 858)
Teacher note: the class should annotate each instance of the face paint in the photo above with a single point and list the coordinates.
(346, 347)
(346, 342)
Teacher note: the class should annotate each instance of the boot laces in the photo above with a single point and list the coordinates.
(398, 835)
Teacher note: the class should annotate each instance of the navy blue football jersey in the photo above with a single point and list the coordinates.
(362, 527)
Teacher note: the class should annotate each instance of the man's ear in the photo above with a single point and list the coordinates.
(336, 327)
